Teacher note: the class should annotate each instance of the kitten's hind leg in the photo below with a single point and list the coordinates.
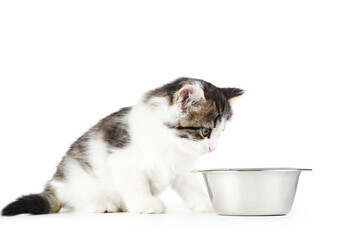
(85, 208)
(96, 207)
(107, 207)
(149, 205)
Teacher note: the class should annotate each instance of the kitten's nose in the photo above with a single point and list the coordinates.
(211, 149)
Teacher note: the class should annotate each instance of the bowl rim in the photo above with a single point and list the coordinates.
(251, 170)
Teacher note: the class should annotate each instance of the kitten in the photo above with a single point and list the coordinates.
(131, 156)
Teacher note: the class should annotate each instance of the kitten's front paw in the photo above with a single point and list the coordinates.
(147, 206)
(201, 205)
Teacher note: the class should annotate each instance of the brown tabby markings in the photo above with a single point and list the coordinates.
(113, 131)
(203, 113)
(54, 204)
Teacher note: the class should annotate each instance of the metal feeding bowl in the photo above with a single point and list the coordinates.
(252, 191)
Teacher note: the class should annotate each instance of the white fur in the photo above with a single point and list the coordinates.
(131, 178)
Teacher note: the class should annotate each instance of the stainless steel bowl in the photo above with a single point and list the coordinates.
(252, 191)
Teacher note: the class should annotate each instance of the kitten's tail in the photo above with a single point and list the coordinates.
(42, 203)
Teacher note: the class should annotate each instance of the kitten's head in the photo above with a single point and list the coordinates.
(198, 111)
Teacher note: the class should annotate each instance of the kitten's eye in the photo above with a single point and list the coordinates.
(205, 131)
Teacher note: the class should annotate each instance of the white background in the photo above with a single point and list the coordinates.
(66, 64)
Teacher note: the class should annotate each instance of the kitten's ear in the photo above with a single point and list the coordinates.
(188, 95)
(231, 93)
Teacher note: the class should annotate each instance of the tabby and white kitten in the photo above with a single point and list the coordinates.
(130, 156)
